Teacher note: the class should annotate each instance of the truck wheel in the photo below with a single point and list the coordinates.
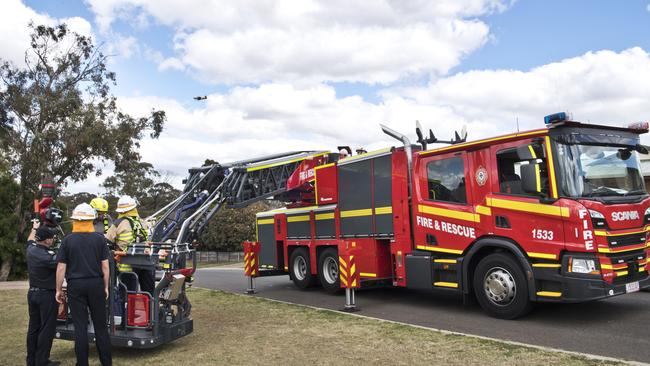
(501, 287)
(299, 268)
(328, 270)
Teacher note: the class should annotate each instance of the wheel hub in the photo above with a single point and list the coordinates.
(330, 270)
(499, 286)
(300, 268)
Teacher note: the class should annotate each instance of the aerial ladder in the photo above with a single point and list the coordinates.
(285, 177)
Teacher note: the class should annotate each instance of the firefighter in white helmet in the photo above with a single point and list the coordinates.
(128, 228)
(104, 221)
(83, 261)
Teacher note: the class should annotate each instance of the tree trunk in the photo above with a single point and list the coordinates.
(5, 269)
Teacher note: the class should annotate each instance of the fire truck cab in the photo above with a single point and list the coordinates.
(558, 214)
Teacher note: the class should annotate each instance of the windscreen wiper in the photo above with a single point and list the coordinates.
(636, 192)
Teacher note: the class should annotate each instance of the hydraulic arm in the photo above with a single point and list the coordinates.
(235, 184)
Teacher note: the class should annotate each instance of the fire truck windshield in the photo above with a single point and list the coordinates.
(599, 171)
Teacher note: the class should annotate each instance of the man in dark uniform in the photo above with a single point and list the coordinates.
(83, 259)
(41, 264)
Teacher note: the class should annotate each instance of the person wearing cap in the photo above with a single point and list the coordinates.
(128, 229)
(103, 221)
(41, 265)
(83, 260)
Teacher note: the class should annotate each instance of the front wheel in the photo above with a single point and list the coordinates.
(328, 270)
(299, 268)
(501, 287)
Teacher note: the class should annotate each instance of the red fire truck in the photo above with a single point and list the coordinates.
(558, 214)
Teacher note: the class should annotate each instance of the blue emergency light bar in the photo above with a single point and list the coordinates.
(555, 118)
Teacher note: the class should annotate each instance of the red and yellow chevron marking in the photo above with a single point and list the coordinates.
(348, 273)
(251, 261)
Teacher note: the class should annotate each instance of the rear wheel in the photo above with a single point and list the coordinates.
(328, 270)
(501, 287)
(299, 268)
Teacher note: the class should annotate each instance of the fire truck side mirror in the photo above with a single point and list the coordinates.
(527, 153)
(531, 178)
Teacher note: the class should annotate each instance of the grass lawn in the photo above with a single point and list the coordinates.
(237, 330)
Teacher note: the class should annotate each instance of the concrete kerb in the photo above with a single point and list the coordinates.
(14, 285)
(443, 331)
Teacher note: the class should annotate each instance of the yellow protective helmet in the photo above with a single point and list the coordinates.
(99, 204)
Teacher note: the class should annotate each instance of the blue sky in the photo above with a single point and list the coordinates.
(534, 33)
(284, 75)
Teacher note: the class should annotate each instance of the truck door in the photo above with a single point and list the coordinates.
(445, 218)
(520, 216)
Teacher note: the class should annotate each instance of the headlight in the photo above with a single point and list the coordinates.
(598, 215)
(647, 212)
(597, 219)
(577, 265)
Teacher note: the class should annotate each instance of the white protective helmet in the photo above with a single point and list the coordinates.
(83, 212)
(126, 204)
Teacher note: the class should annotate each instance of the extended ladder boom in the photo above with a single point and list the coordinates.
(236, 184)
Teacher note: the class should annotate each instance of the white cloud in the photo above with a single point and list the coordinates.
(171, 63)
(602, 86)
(123, 47)
(599, 87)
(647, 7)
(255, 41)
(14, 18)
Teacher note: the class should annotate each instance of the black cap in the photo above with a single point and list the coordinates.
(44, 233)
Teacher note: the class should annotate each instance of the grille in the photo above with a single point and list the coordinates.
(624, 240)
(632, 275)
(632, 262)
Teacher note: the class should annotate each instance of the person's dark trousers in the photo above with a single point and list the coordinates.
(86, 294)
(147, 280)
(42, 325)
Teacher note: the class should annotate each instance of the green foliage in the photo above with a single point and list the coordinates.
(58, 118)
(229, 228)
(9, 248)
(58, 114)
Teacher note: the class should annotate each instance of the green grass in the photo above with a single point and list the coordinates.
(237, 330)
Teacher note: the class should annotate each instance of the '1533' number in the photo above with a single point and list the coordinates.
(542, 234)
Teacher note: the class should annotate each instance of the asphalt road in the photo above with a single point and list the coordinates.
(617, 327)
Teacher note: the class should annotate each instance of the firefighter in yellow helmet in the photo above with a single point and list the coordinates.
(104, 221)
(129, 228)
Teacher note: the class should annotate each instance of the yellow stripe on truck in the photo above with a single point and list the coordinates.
(547, 265)
(366, 274)
(549, 293)
(606, 233)
(532, 151)
(325, 216)
(383, 210)
(265, 222)
(438, 249)
(541, 255)
(483, 210)
(299, 218)
(551, 167)
(460, 215)
(357, 213)
(528, 207)
(608, 250)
